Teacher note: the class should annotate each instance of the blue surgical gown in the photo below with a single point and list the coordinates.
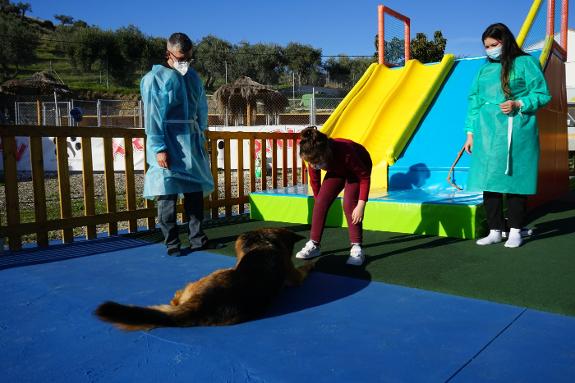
(175, 119)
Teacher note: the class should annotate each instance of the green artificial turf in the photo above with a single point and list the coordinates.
(538, 275)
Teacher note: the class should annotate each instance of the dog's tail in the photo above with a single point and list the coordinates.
(133, 318)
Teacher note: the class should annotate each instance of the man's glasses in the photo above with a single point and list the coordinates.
(189, 60)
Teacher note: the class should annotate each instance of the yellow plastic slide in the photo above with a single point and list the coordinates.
(383, 109)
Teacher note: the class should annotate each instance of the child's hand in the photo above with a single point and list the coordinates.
(357, 213)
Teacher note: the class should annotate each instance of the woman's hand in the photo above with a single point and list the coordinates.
(357, 213)
(508, 106)
(468, 146)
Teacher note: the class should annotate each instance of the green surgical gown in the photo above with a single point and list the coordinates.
(505, 156)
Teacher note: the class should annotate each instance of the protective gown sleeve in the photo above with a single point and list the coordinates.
(538, 95)
(155, 105)
(473, 105)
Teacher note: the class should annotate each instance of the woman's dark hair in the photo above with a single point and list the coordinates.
(509, 51)
(314, 145)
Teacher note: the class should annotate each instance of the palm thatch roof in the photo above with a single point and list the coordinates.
(41, 83)
(243, 92)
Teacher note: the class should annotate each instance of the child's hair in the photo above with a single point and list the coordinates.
(314, 145)
(509, 51)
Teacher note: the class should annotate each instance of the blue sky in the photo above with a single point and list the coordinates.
(336, 26)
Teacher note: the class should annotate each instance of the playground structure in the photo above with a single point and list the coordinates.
(410, 174)
(447, 311)
(411, 121)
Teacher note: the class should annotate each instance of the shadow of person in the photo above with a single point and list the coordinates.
(432, 243)
(62, 252)
(321, 288)
(560, 205)
(561, 222)
(554, 228)
(415, 178)
(455, 220)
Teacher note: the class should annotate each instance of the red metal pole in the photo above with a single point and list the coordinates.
(551, 18)
(407, 42)
(395, 14)
(564, 29)
(380, 29)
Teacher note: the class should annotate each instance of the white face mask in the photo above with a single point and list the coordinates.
(494, 53)
(181, 66)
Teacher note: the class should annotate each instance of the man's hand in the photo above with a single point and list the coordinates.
(162, 158)
(357, 213)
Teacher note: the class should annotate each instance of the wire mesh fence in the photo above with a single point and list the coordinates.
(394, 41)
(535, 38)
(307, 108)
(536, 35)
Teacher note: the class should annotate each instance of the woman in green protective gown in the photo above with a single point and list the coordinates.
(502, 133)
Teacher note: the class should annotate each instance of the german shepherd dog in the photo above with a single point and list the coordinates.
(226, 296)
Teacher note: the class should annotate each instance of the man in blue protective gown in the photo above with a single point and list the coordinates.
(176, 117)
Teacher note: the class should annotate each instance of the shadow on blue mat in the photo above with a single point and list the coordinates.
(62, 252)
(317, 290)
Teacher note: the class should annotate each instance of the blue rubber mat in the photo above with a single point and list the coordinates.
(418, 196)
(332, 329)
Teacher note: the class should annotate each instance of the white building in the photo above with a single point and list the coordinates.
(570, 85)
(570, 65)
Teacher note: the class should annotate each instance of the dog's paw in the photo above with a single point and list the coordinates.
(310, 265)
(176, 299)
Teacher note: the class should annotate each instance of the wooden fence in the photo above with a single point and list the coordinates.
(224, 201)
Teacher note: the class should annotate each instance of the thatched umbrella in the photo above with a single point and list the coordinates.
(39, 84)
(242, 96)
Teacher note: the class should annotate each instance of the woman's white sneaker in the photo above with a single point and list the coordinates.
(356, 256)
(493, 237)
(310, 250)
(515, 239)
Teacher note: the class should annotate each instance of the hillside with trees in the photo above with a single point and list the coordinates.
(92, 61)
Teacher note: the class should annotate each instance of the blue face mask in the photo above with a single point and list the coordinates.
(494, 53)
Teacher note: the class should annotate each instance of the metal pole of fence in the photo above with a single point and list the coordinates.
(312, 107)
(140, 115)
(226, 63)
(1, 239)
(293, 84)
(56, 110)
(99, 112)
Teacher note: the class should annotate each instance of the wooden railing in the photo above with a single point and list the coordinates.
(225, 201)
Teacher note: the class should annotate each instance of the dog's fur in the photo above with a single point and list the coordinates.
(226, 296)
